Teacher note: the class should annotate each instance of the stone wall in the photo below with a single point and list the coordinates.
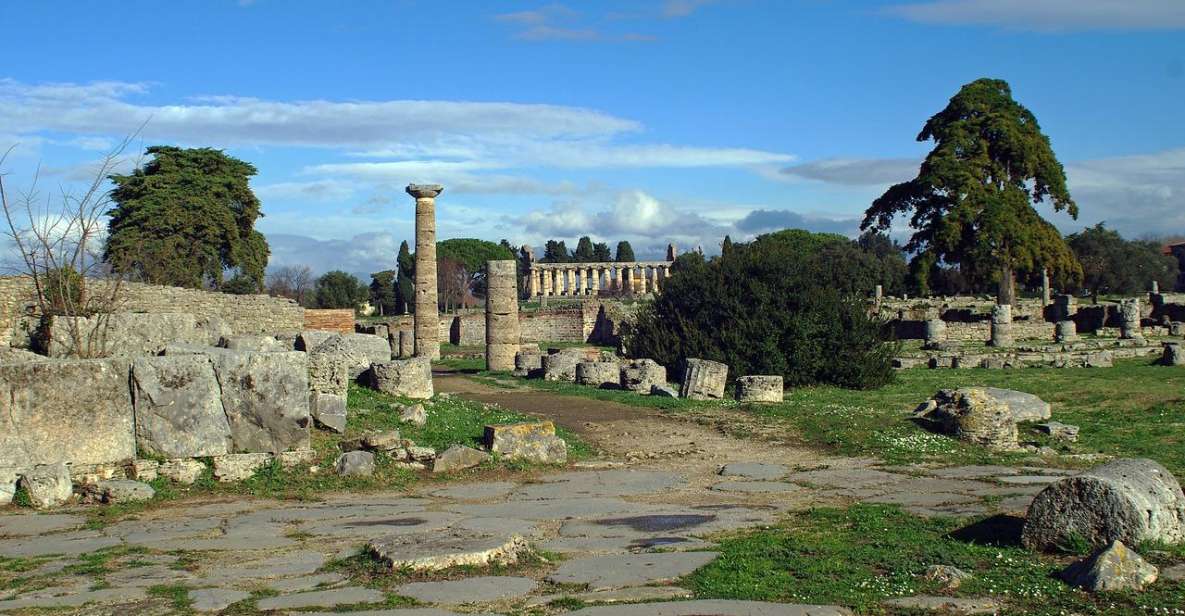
(591, 321)
(330, 320)
(246, 314)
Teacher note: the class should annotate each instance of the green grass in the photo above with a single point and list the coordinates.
(865, 554)
(176, 594)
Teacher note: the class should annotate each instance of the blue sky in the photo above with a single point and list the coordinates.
(648, 120)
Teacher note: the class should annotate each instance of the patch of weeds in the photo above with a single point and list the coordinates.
(20, 498)
(176, 594)
(186, 561)
(98, 562)
(18, 564)
(567, 603)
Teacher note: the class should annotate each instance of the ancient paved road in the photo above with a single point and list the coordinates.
(628, 525)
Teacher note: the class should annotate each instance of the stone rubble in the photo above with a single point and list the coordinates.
(703, 380)
(1113, 568)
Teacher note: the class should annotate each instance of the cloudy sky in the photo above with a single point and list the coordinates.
(647, 120)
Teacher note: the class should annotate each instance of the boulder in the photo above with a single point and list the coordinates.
(115, 491)
(1023, 406)
(1173, 354)
(359, 351)
(641, 375)
(1059, 431)
(258, 343)
(1110, 569)
(759, 389)
(414, 414)
(178, 406)
(600, 374)
(328, 411)
(182, 470)
(973, 415)
(69, 410)
(410, 378)
(458, 457)
(561, 365)
(534, 442)
(48, 485)
(239, 466)
(1128, 500)
(704, 379)
(355, 464)
(949, 577)
(382, 441)
(266, 399)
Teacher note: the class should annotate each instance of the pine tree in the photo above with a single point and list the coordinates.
(625, 252)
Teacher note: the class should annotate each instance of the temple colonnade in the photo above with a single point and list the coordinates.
(581, 279)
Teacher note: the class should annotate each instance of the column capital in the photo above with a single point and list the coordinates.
(424, 191)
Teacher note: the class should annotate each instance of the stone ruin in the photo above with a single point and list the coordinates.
(503, 336)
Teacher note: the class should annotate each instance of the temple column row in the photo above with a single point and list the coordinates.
(577, 281)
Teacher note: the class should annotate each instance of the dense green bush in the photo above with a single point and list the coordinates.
(788, 303)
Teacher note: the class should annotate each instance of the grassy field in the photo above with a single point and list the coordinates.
(865, 554)
(1135, 409)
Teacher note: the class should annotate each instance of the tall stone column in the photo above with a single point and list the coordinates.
(580, 281)
(595, 281)
(544, 282)
(503, 335)
(620, 279)
(1046, 293)
(427, 320)
(533, 283)
(654, 279)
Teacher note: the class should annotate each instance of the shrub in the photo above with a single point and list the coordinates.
(782, 304)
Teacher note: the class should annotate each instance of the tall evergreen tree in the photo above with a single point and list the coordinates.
(625, 252)
(338, 289)
(601, 253)
(405, 288)
(973, 200)
(382, 292)
(556, 252)
(186, 217)
(584, 251)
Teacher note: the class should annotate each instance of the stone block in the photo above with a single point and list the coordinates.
(1177, 328)
(256, 342)
(328, 411)
(561, 365)
(76, 410)
(127, 334)
(533, 442)
(759, 389)
(704, 380)
(410, 378)
(329, 374)
(407, 344)
(642, 375)
(9, 355)
(48, 485)
(8, 479)
(1128, 500)
(116, 491)
(182, 470)
(600, 374)
(178, 406)
(144, 470)
(663, 391)
(972, 414)
(358, 350)
(239, 466)
(413, 414)
(458, 457)
(355, 464)
(528, 360)
(266, 399)
(1023, 406)
(310, 339)
(1173, 354)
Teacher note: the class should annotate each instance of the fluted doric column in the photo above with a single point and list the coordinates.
(620, 286)
(654, 279)
(426, 322)
(595, 281)
(580, 282)
(532, 283)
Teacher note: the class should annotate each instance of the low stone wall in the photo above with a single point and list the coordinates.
(330, 320)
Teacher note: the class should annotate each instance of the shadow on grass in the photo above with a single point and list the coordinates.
(999, 531)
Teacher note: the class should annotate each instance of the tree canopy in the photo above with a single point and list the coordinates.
(338, 289)
(1112, 264)
(185, 218)
(555, 252)
(625, 252)
(584, 251)
(973, 199)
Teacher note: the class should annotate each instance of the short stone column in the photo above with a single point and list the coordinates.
(934, 333)
(1065, 331)
(503, 336)
(1173, 355)
(1001, 325)
(1129, 319)
(427, 319)
(704, 380)
(1065, 306)
(533, 283)
(759, 389)
(878, 294)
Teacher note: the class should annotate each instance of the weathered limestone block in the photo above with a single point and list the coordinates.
(266, 400)
(255, 342)
(91, 474)
(144, 470)
(359, 351)
(756, 388)
(1102, 359)
(115, 491)
(1065, 331)
(1128, 500)
(310, 339)
(9, 355)
(182, 470)
(1173, 354)
(533, 442)
(411, 378)
(1001, 325)
(296, 457)
(239, 466)
(1023, 406)
(8, 479)
(75, 410)
(1059, 430)
(329, 374)
(642, 375)
(528, 360)
(328, 411)
(601, 374)
(447, 549)
(407, 344)
(355, 464)
(704, 380)
(178, 406)
(1113, 568)
(124, 334)
(458, 457)
(1129, 319)
(561, 366)
(973, 415)
(413, 414)
(663, 391)
(48, 485)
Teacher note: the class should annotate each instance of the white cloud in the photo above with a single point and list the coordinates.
(1050, 14)
(557, 22)
(320, 190)
(361, 255)
(683, 8)
(856, 171)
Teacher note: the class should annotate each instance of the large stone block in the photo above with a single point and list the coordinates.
(310, 339)
(704, 380)
(266, 400)
(179, 407)
(759, 389)
(329, 411)
(411, 378)
(1024, 406)
(329, 374)
(124, 334)
(1128, 500)
(602, 374)
(643, 375)
(48, 485)
(255, 342)
(359, 350)
(561, 366)
(74, 410)
(533, 442)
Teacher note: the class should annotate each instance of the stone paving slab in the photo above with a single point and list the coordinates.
(624, 595)
(469, 590)
(846, 478)
(754, 470)
(476, 491)
(107, 595)
(614, 483)
(973, 472)
(556, 509)
(1028, 479)
(66, 544)
(713, 608)
(409, 611)
(947, 605)
(306, 582)
(27, 525)
(758, 487)
(608, 572)
(215, 599)
(322, 598)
